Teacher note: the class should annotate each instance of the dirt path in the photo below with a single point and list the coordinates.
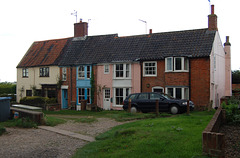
(34, 143)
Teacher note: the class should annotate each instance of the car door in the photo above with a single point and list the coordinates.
(163, 104)
(142, 102)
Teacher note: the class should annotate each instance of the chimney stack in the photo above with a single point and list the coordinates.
(150, 31)
(80, 29)
(228, 72)
(212, 20)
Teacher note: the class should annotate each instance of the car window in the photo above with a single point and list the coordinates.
(154, 96)
(133, 96)
(143, 96)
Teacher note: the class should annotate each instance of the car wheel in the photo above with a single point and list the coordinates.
(133, 110)
(174, 109)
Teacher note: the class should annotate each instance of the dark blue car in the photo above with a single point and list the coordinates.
(146, 102)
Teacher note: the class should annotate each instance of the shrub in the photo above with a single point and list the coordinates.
(232, 113)
(25, 123)
(38, 101)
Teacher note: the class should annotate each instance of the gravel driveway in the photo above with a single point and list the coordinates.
(35, 143)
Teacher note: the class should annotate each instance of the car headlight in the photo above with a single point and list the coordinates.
(184, 103)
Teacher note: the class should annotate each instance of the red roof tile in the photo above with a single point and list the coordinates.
(44, 53)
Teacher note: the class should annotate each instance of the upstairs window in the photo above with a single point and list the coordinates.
(177, 64)
(64, 74)
(88, 72)
(106, 69)
(150, 68)
(44, 72)
(81, 72)
(122, 71)
(25, 72)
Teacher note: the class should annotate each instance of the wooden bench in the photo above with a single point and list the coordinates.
(35, 116)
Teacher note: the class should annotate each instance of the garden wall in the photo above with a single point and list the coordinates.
(213, 143)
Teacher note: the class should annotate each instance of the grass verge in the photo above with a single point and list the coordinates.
(53, 121)
(21, 122)
(179, 136)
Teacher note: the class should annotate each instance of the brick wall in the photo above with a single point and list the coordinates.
(71, 83)
(200, 80)
(213, 143)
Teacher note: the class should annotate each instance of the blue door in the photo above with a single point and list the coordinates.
(64, 99)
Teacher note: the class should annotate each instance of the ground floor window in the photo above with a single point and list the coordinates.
(178, 92)
(120, 94)
(84, 94)
(28, 93)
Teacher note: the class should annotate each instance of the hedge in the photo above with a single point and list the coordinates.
(38, 101)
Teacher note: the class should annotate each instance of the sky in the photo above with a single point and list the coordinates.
(24, 21)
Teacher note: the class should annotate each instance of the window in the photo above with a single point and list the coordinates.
(143, 96)
(64, 74)
(28, 93)
(178, 92)
(150, 68)
(122, 70)
(177, 64)
(81, 72)
(81, 94)
(119, 70)
(25, 72)
(84, 94)
(88, 72)
(119, 96)
(154, 96)
(157, 89)
(106, 69)
(107, 93)
(44, 72)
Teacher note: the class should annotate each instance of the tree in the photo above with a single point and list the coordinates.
(236, 76)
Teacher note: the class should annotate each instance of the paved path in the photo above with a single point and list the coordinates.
(68, 133)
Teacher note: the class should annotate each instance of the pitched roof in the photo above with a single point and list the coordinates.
(111, 48)
(44, 53)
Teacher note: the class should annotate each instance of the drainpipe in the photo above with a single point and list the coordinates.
(71, 83)
(189, 78)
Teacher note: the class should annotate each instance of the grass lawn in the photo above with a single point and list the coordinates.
(177, 136)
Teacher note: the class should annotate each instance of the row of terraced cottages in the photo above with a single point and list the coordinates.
(105, 69)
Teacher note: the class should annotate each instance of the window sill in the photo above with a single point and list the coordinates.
(118, 106)
(122, 78)
(149, 75)
(178, 71)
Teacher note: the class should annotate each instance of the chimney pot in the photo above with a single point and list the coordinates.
(150, 31)
(212, 9)
(227, 43)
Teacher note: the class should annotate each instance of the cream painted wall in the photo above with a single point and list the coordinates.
(34, 79)
(217, 71)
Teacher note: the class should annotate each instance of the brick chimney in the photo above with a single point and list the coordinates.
(212, 20)
(80, 29)
(228, 73)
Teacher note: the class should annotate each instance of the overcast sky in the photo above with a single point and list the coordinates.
(24, 21)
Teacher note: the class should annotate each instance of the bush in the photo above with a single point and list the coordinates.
(25, 123)
(232, 113)
(38, 101)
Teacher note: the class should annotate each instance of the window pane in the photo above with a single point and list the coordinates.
(185, 64)
(88, 72)
(169, 64)
(106, 68)
(81, 72)
(170, 91)
(150, 68)
(119, 96)
(179, 93)
(178, 63)
(154, 96)
(186, 94)
(127, 70)
(143, 96)
(119, 70)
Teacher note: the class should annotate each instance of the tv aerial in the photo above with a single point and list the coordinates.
(75, 14)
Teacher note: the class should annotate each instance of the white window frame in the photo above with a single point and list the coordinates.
(44, 72)
(81, 73)
(144, 69)
(25, 72)
(88, 70)
(106, 69)
(64, 74)
(184, 62)
(183, 92)
(125, 93)
(157, 87)
(125, 74)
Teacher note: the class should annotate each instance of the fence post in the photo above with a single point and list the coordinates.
(188, 107)
(157, 107)
(129, 105)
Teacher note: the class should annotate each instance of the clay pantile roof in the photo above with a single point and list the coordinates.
(156, 46)
(44, 53)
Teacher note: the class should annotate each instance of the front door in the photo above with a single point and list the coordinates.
(106, 99)
(64, 99)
